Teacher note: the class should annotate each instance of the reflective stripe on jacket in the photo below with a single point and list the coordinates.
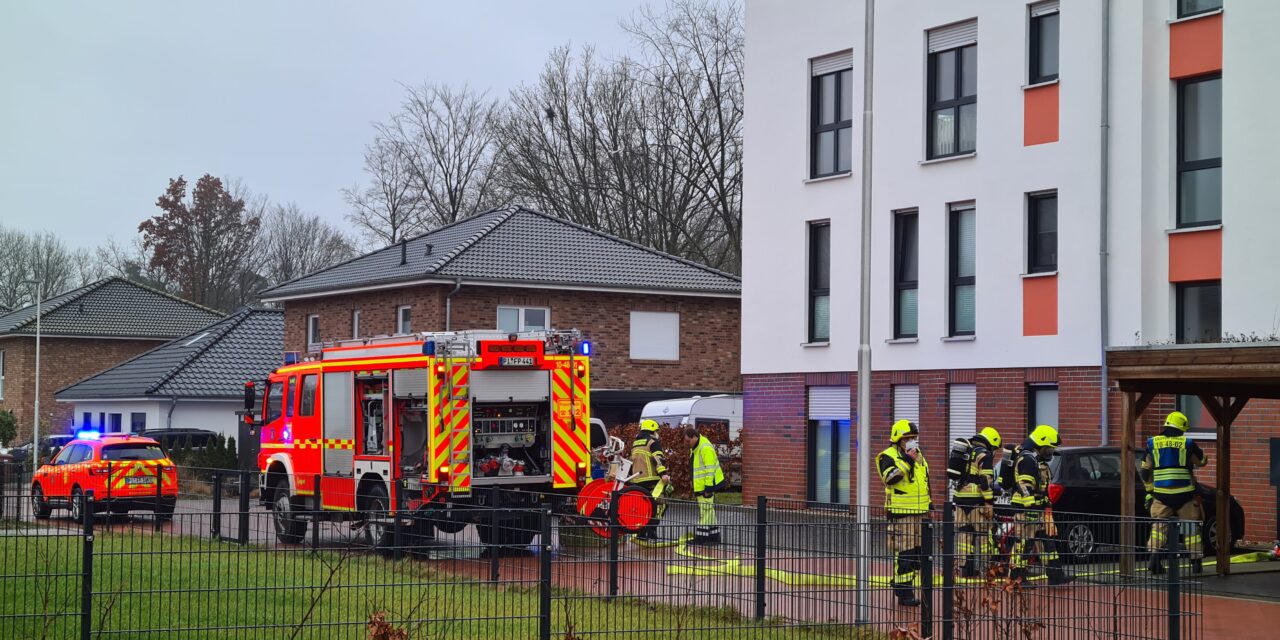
(1170, 465)
(647, 461)
(706, 466)
(906, 489)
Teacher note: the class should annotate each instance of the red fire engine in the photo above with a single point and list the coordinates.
(424, 423)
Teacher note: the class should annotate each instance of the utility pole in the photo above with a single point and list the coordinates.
(863, 612)
(35, 433)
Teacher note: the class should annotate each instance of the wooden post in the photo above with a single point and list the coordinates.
(1224, 411)
(1129, 416)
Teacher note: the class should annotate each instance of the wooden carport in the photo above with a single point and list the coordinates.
(1225, 378)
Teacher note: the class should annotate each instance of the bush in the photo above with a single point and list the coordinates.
(678, 454)
(8, 427)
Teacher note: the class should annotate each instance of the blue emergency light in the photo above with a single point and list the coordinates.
(429, 348)
(88, 435)
(586, 348)
(292, 357)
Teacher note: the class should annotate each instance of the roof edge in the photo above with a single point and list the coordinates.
(516, 284)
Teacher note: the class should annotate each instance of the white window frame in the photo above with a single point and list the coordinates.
(645, 353)
(402, 321)
(355, 323)
(313, 329)
(520, 311)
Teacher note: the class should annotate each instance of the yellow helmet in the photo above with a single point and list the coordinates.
(902, 429)
(1045, 436)
(991, 436)
(1177, 420)
(648, 425)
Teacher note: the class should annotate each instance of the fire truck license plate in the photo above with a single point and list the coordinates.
(140, 480)
(515, 362)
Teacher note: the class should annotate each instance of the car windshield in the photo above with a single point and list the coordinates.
(133, 451)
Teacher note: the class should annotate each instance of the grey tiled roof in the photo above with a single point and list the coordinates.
(519, 246)
(111, 307)
(213, 362)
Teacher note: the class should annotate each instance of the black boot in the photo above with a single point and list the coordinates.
(906, 596)
(1057, 575)
(1197, 566)
(1155, 565)
(969, 570)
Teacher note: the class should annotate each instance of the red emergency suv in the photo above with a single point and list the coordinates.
(121, 470)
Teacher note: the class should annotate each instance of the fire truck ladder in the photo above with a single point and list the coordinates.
(459, 431)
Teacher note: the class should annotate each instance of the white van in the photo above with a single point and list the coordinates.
(698, 409)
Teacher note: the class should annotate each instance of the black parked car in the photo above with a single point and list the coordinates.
(1085, 492)
(171, 439)
(52, 445)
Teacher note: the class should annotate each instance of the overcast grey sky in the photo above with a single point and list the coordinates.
(102, 102)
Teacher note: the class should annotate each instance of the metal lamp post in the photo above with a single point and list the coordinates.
(35, 437)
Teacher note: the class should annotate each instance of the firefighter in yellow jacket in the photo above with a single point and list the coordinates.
(974, 499)
(708, 478)
(1168, 471)
(649, 466)
(906, 486)
(1038, 535)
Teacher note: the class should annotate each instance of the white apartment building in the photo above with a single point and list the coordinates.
(1003, 207)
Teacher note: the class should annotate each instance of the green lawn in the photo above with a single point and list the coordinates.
(146, 583)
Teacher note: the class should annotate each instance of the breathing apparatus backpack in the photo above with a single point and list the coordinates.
(958, 460)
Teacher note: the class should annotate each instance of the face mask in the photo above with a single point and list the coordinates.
(913, 445)
(1045, 454)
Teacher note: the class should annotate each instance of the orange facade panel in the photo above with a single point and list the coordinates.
(1195, 46)
(1040, 306)
(1195, 255)
(1040, 115)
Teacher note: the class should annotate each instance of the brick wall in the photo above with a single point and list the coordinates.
(709, 327)
(63, 361)
(775, 428)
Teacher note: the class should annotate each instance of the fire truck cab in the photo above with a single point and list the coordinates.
(413, 426)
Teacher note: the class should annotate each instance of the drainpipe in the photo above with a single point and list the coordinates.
(173, 404)
(1103, 240)
(448, 304)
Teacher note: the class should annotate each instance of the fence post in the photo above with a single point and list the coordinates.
(614, 531)
(316, 511)
(949, 568)
(4, 485)
(1173, 587)
(762, 547)
(215, 525)
(495, 561)
(243, 537)
(397, 536)
(544, 578)
(86, 567)
(926, 577)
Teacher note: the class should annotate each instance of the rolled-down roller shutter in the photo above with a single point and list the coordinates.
(906, 402)
(962, 409)
(832, 63)
(1044, 8)
(953, 36)
(829, 403)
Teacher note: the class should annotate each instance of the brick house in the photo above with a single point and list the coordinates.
(83, 332)
(661, 327)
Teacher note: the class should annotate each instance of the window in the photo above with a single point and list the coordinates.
(1042, 405)
(1043, 65)
(81, 452)
(906, 269)
(115, 422)
(655, 335)
(275, 401)
(1199, 420)
(831, 120)
(962, 410)
(906, 402)
(136, 451)
(829, 461)
(137, 422)
(313, 330)
(963, 264)
(513, 319)
(1199, 312)
(1, 375)
(1200, 151)
(86, 420)
(1192, 7)
(355, 323)
(404, 319)
(1042, 232)
(292, 398)
(64, 456)
(102, 420)
(307, 405)
(953, 90)
(819, 281)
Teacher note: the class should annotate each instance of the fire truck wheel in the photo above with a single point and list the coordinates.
(289, 528)
(39, 506)
(375, 505)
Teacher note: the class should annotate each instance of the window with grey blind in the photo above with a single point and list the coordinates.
(962, 410)
(906, 402)
(831, 117)
(1200, 151)
(963, 269)
(952, 126)
(819, 281)
(906, 270)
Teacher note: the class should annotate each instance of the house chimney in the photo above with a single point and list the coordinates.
(429, 247)
(404, 252)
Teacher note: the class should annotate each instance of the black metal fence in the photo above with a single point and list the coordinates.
(531, 567)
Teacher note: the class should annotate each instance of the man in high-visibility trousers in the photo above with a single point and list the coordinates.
(1168, 473)
(974, 499)
(708, 478)
(1037, 534)
(649, 464)
(906, 487)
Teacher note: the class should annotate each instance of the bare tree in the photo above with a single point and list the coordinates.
(132, 261)
(294, 244)
(388, 208)
(38, 256)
